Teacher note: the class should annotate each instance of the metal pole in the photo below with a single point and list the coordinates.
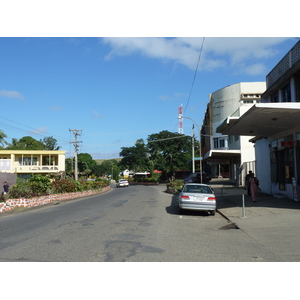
(193, 150)
(243, 201)
(200, 152)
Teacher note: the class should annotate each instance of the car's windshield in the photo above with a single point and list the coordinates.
(197, 189)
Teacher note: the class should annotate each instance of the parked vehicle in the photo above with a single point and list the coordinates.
(196, 196)
(122, 182)
(195, 178)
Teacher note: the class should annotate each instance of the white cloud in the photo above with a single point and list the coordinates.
(40, 130)
(217, 52)
(96, 115)
(11, 94)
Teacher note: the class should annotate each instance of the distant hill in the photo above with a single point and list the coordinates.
(100, 161)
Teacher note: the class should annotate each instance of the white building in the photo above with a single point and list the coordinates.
(229, 156)
(275, 125)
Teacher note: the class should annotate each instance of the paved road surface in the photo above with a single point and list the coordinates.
(134, 224)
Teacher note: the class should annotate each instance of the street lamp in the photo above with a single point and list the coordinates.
(200, 152)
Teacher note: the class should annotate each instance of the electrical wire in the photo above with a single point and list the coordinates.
(21, 130)
(195, 75)
(194, 79)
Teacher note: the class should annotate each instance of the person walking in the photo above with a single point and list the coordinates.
(247, 182)
(253, 183)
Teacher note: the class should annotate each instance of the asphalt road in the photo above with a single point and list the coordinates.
(134, 224)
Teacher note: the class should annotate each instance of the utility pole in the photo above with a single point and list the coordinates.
(193, 149)
(76, 133)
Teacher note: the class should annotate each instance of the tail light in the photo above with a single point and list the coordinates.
(211, 198)
(185, 197)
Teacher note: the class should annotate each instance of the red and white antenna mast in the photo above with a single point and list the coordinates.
(180, 125)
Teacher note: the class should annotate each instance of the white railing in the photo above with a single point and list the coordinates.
(33, 169)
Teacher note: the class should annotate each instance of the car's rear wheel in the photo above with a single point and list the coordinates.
(213, 212)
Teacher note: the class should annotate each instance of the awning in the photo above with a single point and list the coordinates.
(221, 154)
(263, 120)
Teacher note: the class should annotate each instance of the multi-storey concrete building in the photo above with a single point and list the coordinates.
(229, 156)
(275, 125)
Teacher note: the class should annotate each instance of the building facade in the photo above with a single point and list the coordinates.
(24, 163)
(229, 156)
(275, 125)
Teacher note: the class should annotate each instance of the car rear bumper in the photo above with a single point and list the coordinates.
(198, 205)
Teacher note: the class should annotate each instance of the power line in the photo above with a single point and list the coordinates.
(176, 137)
(195, 74)
(21, 130)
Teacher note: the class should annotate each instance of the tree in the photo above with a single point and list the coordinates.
(50, 143)
(2, 136)
(135, 158)
(107, 167)
(26, 143)
(169, 151)
(85, 162)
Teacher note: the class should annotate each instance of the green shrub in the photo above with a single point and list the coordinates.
(22, 189)
(101, 182)
(64, 186)
(70, 185)
(39, 184)
(144, 180)
(176, 184)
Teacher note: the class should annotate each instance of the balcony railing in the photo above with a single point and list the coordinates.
(36, 169)
(288, 61)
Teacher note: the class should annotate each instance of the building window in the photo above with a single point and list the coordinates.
(286, 93)
(216, 143)
(297, 87)
(28, 161)
(222, 143)
(274, 98)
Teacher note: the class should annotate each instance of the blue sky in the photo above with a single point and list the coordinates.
(118, 90)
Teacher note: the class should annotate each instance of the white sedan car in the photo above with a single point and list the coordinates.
(122, 182)
(196, 196)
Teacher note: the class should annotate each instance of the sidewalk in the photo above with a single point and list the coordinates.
(272, 222)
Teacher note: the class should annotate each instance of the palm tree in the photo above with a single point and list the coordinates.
(2, 136)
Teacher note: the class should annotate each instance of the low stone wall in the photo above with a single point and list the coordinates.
(10, 204)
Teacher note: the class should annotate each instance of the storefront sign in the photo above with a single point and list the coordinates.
(287, 144)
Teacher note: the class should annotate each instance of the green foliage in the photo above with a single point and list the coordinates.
(107, 167)
(2, 136)
(176, 184)
(39, 184)
(135, 158)
(85, 162)
(64, 186)
(169, 151)
(70, 185)
(145, 180)
(26, 143)
(50, 143)
(22, 189)
(102, 182)
(36, 185)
